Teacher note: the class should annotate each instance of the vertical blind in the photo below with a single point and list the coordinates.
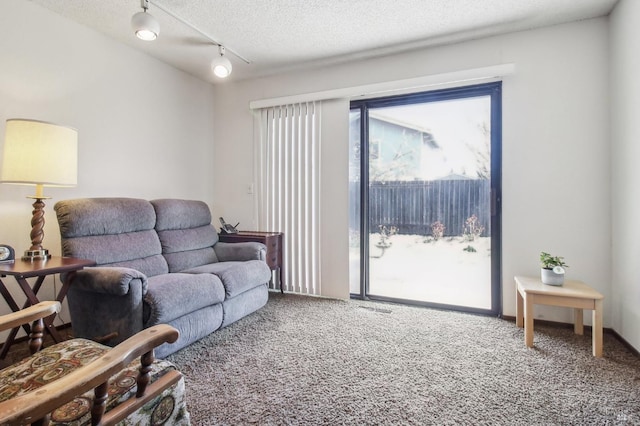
(287, 171)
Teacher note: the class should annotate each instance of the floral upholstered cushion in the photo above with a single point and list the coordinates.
(168, 408)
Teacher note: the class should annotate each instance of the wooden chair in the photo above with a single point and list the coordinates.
(79, 381)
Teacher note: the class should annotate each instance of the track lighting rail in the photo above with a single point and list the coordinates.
(199, 31)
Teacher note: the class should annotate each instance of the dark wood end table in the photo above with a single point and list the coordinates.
(273, 241)
(39, 269)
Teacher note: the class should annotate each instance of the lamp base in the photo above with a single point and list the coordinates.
(33, 255)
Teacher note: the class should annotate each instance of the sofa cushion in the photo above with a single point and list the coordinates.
(112, 232)
(237, 277)
(170, 296)
(188, 248)
(104, 216)
(185, 232)
(136, 250)
(180, 214)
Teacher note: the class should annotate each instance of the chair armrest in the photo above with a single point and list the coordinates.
(240, 251)
(108, 280)
(29, 407)
(28, 315)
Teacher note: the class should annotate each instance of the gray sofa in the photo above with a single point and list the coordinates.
(158, 262)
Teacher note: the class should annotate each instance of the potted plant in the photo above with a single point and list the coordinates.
(552, 272)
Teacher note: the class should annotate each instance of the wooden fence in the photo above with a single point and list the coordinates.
(412, 206)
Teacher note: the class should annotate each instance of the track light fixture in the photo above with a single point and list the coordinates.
(221, 66)
(147, 27)
(144, 24)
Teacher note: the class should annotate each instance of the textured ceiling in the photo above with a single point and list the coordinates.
(278, 35)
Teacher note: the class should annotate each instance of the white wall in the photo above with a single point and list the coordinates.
(625, 137)
(556, 167)
(145, 129)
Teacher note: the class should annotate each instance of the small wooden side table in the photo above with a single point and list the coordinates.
(572, 294)
(39, 269)
(273, 241)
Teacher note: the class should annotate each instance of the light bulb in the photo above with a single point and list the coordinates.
(145, 26)
(221, 67)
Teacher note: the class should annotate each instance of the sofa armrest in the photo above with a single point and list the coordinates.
(106, 303)
(240, 251)
(116, 281)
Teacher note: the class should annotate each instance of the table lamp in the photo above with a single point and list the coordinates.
(41, 154)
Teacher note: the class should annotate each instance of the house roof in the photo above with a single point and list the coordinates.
(427, 136)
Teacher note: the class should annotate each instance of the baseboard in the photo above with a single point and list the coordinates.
(624, 342)
(606, 330)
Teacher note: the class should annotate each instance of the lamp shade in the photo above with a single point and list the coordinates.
(39, 153)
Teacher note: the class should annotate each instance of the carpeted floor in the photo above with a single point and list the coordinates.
(311, 361)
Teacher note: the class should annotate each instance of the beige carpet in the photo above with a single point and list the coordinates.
(310, 361)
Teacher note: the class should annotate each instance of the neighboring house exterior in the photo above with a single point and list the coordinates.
(397, 150)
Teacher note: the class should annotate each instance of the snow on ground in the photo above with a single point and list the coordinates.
(417, 268)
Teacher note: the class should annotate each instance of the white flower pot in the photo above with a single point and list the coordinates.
(548, 276)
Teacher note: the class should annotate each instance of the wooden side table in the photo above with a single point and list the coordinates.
(572, 294)
(273, 241)
(39, 269)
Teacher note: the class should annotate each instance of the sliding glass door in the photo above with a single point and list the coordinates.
(425, 198)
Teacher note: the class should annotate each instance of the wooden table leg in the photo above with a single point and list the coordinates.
(597, 329)
(12, 304)
(528, 320)
(15, 308)
(48, 321)
(280, 280)
(7, 343)
(519, 309)
(32, 299)
(578, 324)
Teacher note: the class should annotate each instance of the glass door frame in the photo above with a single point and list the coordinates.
(494, 91)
